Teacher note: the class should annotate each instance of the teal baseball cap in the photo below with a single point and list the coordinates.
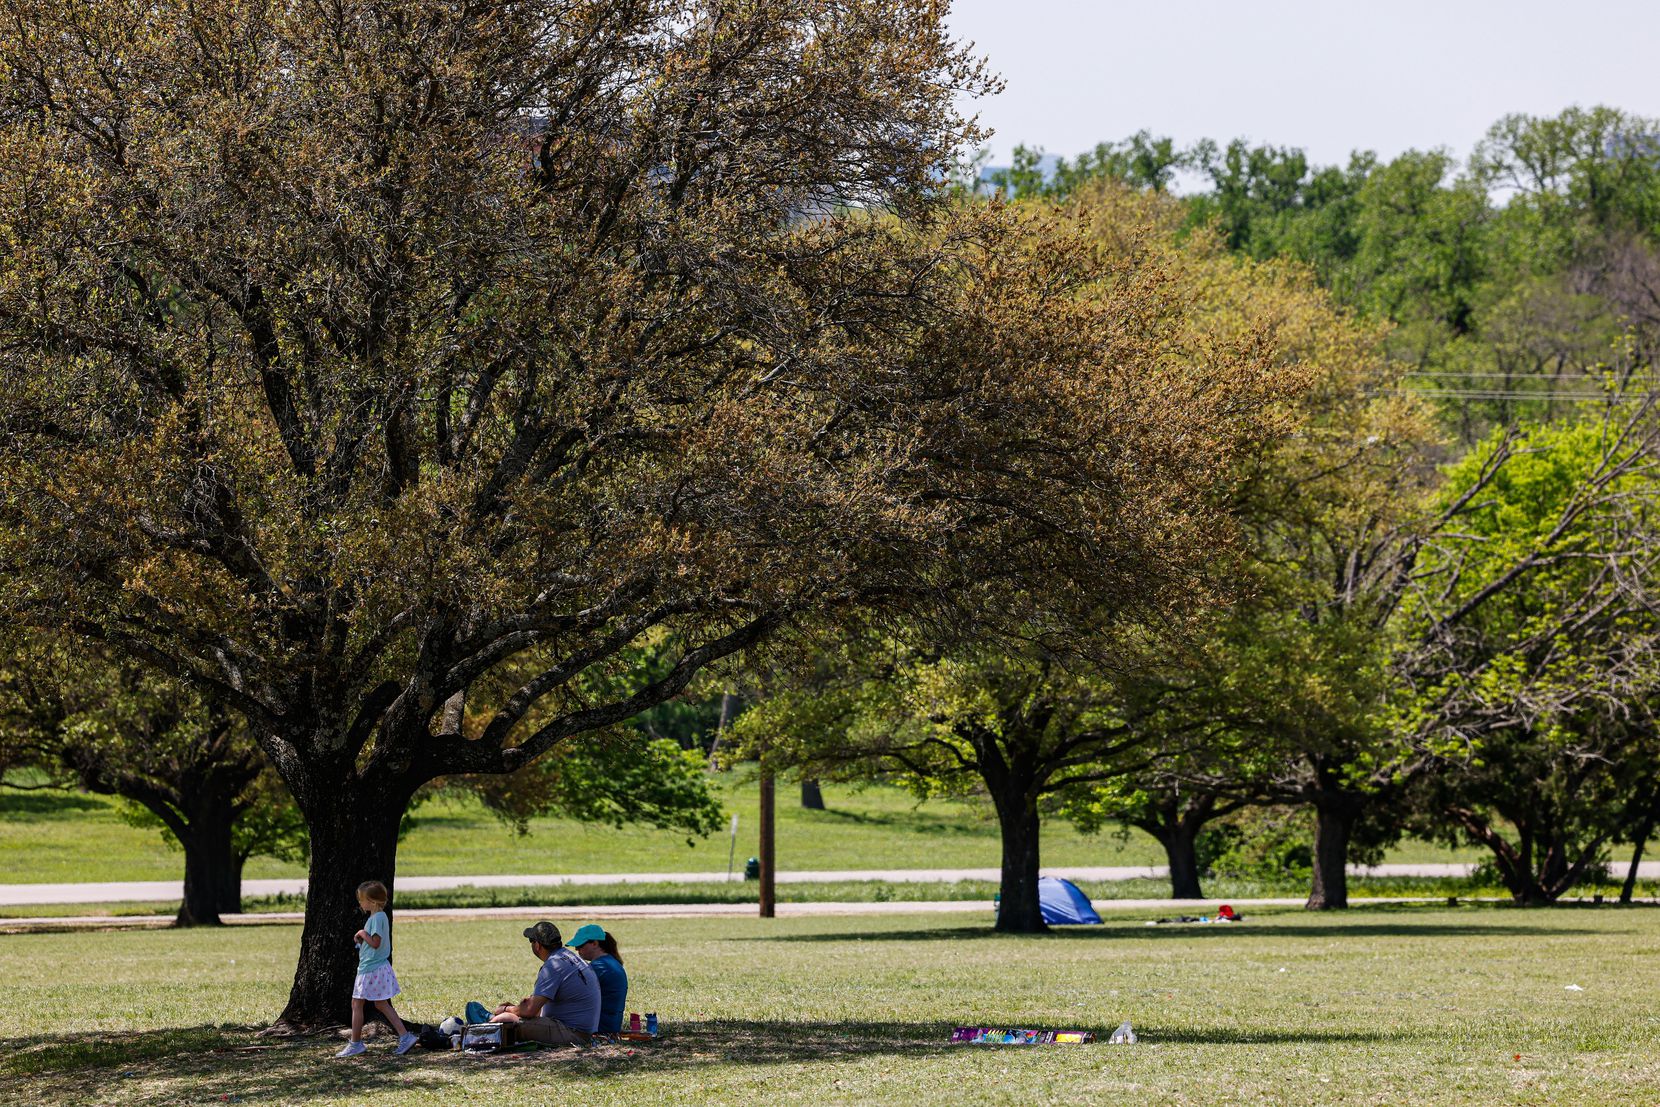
(589, 933)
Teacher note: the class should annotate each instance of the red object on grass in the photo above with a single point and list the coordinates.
(1224, 912)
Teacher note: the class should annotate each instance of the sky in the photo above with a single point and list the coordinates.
(1330, 77)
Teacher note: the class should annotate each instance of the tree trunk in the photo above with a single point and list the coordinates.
(812, 797)
(230, 891)
(1645, 829)
(212, 873)
(1526, 891)
(354, 838)
(1630, 886)
(1018, 910)
(1333, 824)
(1513, 862)
(1180, 850)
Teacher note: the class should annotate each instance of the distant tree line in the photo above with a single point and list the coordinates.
(1449, 628)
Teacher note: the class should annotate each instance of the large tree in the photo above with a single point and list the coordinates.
(1290, 681)
(354, 354)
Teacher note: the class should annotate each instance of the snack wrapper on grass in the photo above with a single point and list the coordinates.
(986, 1035)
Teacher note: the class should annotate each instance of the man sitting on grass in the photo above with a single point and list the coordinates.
(563, 1005)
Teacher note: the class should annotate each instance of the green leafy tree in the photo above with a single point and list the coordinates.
(1270, 202)
(1141, 161)
(612, 780)
(1016, 728)
(1289, 682)
(1539, 706)
(1420, 249)
(1160, 802)
(1575, 176)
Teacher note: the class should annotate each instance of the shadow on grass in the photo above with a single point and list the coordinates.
(141, 1069)
(187, 1065)
(45, 803)
(912, 820)
(1191, 1036)
(1178, 931)
(169, 1066)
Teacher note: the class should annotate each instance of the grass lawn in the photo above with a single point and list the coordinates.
(1374, 1006)
(63, 837)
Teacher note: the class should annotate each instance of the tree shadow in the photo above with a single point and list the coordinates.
(757, 1042)
(1219, 1036)
(45, 803)
(913, 821)
(1180, 932)
(151, 1068)
(155, 1067)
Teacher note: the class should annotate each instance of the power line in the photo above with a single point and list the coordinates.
(1502, 394)
(1517, 377)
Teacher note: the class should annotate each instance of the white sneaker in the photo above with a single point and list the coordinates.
(352, 1049)
(406, 1042)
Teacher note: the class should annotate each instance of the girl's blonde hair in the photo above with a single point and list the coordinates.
(374, 892)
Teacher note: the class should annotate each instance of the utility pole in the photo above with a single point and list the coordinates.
(767, 854)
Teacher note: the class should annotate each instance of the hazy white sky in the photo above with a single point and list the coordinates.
(1327, 76)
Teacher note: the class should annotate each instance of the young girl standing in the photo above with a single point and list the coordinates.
(376, 983)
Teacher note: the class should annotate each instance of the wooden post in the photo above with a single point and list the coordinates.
(767, 853)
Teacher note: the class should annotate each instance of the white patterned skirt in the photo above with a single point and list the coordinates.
(378, 983)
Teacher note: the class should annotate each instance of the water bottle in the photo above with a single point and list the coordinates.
(1124, 1035)
(634, 1023)
(651, 1023)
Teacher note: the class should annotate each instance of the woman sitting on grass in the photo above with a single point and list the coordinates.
(596, 946)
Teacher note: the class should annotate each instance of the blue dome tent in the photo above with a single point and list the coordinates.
(1063, 904)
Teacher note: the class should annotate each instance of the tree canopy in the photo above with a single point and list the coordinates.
(353, 358)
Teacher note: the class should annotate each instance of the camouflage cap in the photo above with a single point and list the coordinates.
(545, 933)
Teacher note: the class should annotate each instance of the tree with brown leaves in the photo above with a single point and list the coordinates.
(355, 354)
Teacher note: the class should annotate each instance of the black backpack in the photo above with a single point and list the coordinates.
(430, 1037)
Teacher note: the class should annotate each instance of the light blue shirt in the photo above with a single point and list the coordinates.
(368, 957)
(571, 989)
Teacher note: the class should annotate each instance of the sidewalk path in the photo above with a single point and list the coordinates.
(162, 891)
(659, 911)
(167, 890)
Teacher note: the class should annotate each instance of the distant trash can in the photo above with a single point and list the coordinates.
(752, 869)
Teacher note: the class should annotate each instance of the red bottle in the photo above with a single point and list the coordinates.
(634, 1022)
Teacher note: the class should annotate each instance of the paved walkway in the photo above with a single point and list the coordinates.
(162, 891)
(165, 890)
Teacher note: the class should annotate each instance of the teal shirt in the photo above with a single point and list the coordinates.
(368, 957)
(613, 992)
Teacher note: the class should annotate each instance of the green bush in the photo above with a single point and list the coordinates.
(1260, 843)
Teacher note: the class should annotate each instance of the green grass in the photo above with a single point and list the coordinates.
(64, 837)
(1375, 1006)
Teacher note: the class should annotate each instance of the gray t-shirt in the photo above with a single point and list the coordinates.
(571, 990)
